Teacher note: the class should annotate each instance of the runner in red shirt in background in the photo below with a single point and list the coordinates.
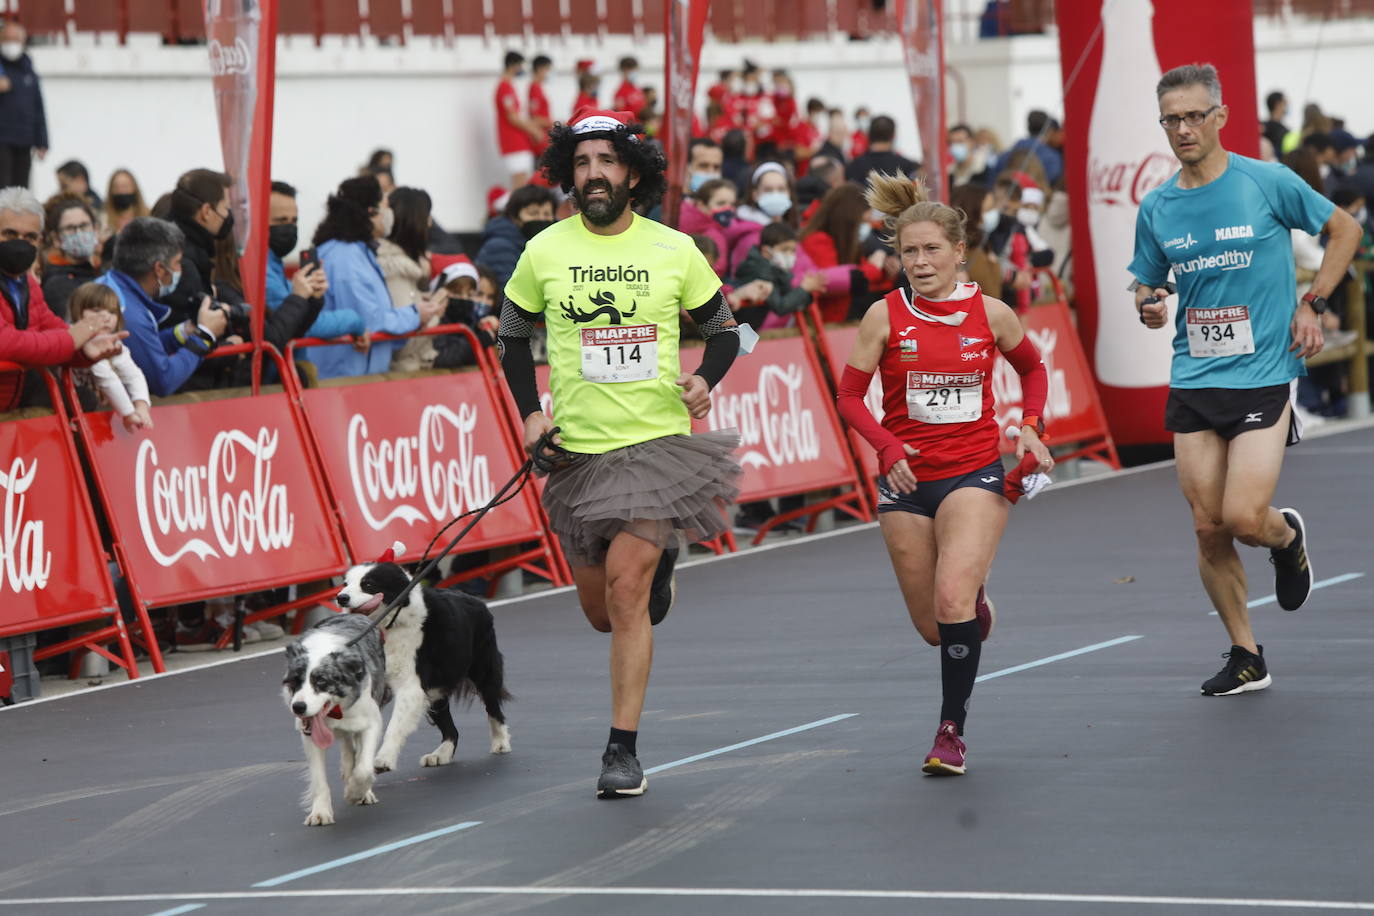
(539, 113)
(941, 499)
(786, 119)
(628, 96)
(515, 134)
(858, 141)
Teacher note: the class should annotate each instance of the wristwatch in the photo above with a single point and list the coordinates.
(1315, 303)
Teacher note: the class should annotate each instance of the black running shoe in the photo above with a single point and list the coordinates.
(1244, 671)
(1292, 571)
(621, 774)
(663, 592)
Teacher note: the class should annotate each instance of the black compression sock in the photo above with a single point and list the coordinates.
(625, 739)
(960, 648)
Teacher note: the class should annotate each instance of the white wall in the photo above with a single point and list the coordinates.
(150, 108)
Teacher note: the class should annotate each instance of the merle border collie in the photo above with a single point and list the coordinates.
(441, 645)
(331, 686)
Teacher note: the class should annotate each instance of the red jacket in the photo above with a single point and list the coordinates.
(44, 342)
(835, 306)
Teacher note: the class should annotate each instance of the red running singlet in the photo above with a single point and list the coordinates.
(937, 382)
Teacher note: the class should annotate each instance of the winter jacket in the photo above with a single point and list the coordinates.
(327, 325)
(166, 363)
(61, 277)
(197, 260)
(404, 277)
(356, 283)
(786, 298)
(835, 303)
(22, 121)
(695, 221)
(502, 244)
(29, 334)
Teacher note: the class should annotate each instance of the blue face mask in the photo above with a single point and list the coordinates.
(775, 203)
(164, 290)
(958, 151)
(697, 179)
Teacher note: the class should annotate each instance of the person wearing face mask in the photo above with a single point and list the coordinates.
(357, 216)
(704, 162)
(774, 260)
(123, 202)
(201, 210)
(1345, 159)
(71, 257)
(305, 293)
(528, 211)
(834, 237)
(405, 264)
(72, 178)
(23, 124)
(148, 264)
(29, 332)
(970, 159)
(711, 211)
(628, 95)
(516, 133)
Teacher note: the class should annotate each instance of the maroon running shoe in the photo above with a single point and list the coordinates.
(985, 612)
(946, 758)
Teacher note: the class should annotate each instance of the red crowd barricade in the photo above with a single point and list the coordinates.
(402, 456)
(791, 441)
(52, 565)
(214, 498)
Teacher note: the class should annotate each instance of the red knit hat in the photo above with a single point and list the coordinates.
(497, 195)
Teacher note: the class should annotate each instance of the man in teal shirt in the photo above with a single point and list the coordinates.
(1222, 225)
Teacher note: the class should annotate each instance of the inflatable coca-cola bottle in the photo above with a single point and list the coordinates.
(1128, 155)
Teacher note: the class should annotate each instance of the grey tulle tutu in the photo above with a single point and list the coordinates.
(652, 490)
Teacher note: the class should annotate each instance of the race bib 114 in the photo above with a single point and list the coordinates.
(620, 353)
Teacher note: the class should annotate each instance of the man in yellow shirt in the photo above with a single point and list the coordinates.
(610, 286)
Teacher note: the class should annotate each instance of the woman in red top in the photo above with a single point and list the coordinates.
(935, 350)
(834, 237)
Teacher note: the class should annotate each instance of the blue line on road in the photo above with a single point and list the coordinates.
(366, 854)
(1056, 658)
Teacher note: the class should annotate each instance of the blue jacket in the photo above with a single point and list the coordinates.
(328, 325)
(356, 283)
(166, 364)
(502, 244)
(22, 122)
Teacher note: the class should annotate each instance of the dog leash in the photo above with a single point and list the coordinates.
(546, 456)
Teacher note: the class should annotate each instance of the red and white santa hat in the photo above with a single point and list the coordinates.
(588, 121)
(497, 195)
(389, 555)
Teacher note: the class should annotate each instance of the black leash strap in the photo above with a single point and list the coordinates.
(546, 454)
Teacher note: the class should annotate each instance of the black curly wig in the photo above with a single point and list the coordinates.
(643, 159)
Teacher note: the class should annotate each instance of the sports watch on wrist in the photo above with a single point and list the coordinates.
(1315, 303)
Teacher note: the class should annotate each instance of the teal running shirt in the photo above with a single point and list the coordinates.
(1229, 246)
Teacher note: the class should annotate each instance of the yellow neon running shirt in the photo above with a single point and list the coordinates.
(611, 307)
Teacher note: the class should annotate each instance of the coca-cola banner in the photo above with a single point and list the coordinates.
(1073, 414)
(403, 458)
(52, 567)
(241, 39)
(790, 436)
(219, 497)
(920, 23)
(685, 27)
(1112, 54)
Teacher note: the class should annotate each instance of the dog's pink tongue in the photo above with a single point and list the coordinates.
(320, 732)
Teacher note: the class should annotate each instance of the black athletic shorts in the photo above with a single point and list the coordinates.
(930, 493)
(1231, 411)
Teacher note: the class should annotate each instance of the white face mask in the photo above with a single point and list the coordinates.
(990, 220)
(784, 259)
(774, 203)
(12, 50)
(1028, 217)
(388, 222)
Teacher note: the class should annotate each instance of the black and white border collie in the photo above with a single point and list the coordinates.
(441, 645)
(331, 687)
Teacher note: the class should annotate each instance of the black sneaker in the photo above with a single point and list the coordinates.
(663, 592)
(621, 774)
(1292, 572)
(1244, 671)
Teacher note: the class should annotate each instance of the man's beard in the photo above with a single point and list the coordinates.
(606, 210)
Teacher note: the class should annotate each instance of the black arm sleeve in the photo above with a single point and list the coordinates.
(718, 326)
(517, 361)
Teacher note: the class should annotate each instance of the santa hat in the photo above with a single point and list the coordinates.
(391, 553)
(452, 272)
(497, 195)
(594, 122)
(586, 65)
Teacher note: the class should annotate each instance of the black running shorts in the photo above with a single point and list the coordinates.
(1231, 411)
(930, 493)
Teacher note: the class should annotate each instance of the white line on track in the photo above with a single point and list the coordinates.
(178, 910)
(734, 747)
(366, 854)
(1056, 658)
(1324, 583)
(725, 892)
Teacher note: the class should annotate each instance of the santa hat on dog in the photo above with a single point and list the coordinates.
(397, 549)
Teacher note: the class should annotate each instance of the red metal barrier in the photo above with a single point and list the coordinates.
(221, 496)
(403, 457)
(53, 570)
(791, 439)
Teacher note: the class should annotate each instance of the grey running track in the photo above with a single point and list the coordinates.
(1100, 781)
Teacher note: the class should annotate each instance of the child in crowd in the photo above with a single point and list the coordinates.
(120, 381)
(710, 211)
(468, 292)
(773, 260)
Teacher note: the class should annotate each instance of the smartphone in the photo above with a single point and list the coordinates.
(308, 257)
